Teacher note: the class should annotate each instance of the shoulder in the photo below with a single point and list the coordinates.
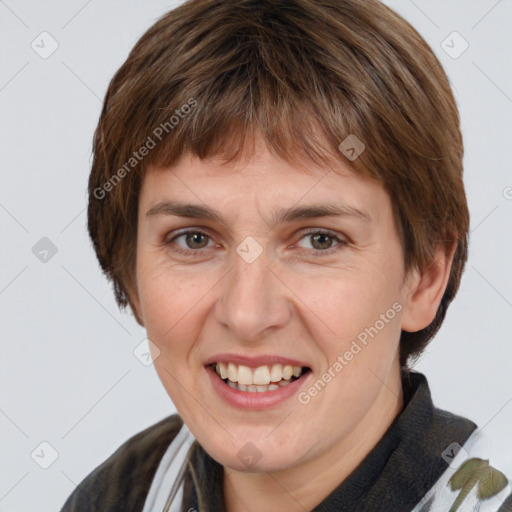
(123, 480)
(471, 480)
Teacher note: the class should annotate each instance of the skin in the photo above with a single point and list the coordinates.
(291, 301)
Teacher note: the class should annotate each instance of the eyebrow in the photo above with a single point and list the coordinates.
(281, 216)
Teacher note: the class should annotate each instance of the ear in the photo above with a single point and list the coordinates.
(425, 290)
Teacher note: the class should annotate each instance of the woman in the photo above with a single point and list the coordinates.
(277, 194)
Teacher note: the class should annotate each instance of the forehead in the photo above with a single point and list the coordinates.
(261, 181)
(263, 192)
(263, 170)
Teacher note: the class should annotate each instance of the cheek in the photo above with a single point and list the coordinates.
(343, 304)
(172, 309)
(354, 324)
(170, 304)
(165, 290)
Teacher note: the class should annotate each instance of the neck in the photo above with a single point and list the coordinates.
(304, 486)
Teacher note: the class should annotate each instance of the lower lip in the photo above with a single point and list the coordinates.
(258, 400)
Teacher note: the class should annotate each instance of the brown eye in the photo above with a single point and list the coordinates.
(323, 242)
(192, 242)
(196, 240)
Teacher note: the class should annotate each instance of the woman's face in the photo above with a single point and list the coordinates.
(262, 281)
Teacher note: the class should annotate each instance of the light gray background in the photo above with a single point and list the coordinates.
(68, 373)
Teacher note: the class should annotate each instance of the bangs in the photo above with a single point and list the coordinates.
(252, 67)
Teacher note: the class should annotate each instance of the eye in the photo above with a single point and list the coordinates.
(322, 241)
(193, 241)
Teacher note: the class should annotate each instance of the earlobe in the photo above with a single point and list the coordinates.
(425, 291)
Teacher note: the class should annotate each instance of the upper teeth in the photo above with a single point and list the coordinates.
(259, 376)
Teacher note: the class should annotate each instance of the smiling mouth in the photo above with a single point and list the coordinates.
(258, 380)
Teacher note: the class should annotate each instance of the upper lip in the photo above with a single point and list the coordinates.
(254, 361)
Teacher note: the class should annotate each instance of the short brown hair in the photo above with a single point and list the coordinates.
(306, 74)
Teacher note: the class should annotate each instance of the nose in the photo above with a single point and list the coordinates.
(253, 301)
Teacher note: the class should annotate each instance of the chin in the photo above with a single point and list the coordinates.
(253, 456)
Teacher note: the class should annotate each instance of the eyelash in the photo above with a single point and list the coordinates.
(312, 231)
